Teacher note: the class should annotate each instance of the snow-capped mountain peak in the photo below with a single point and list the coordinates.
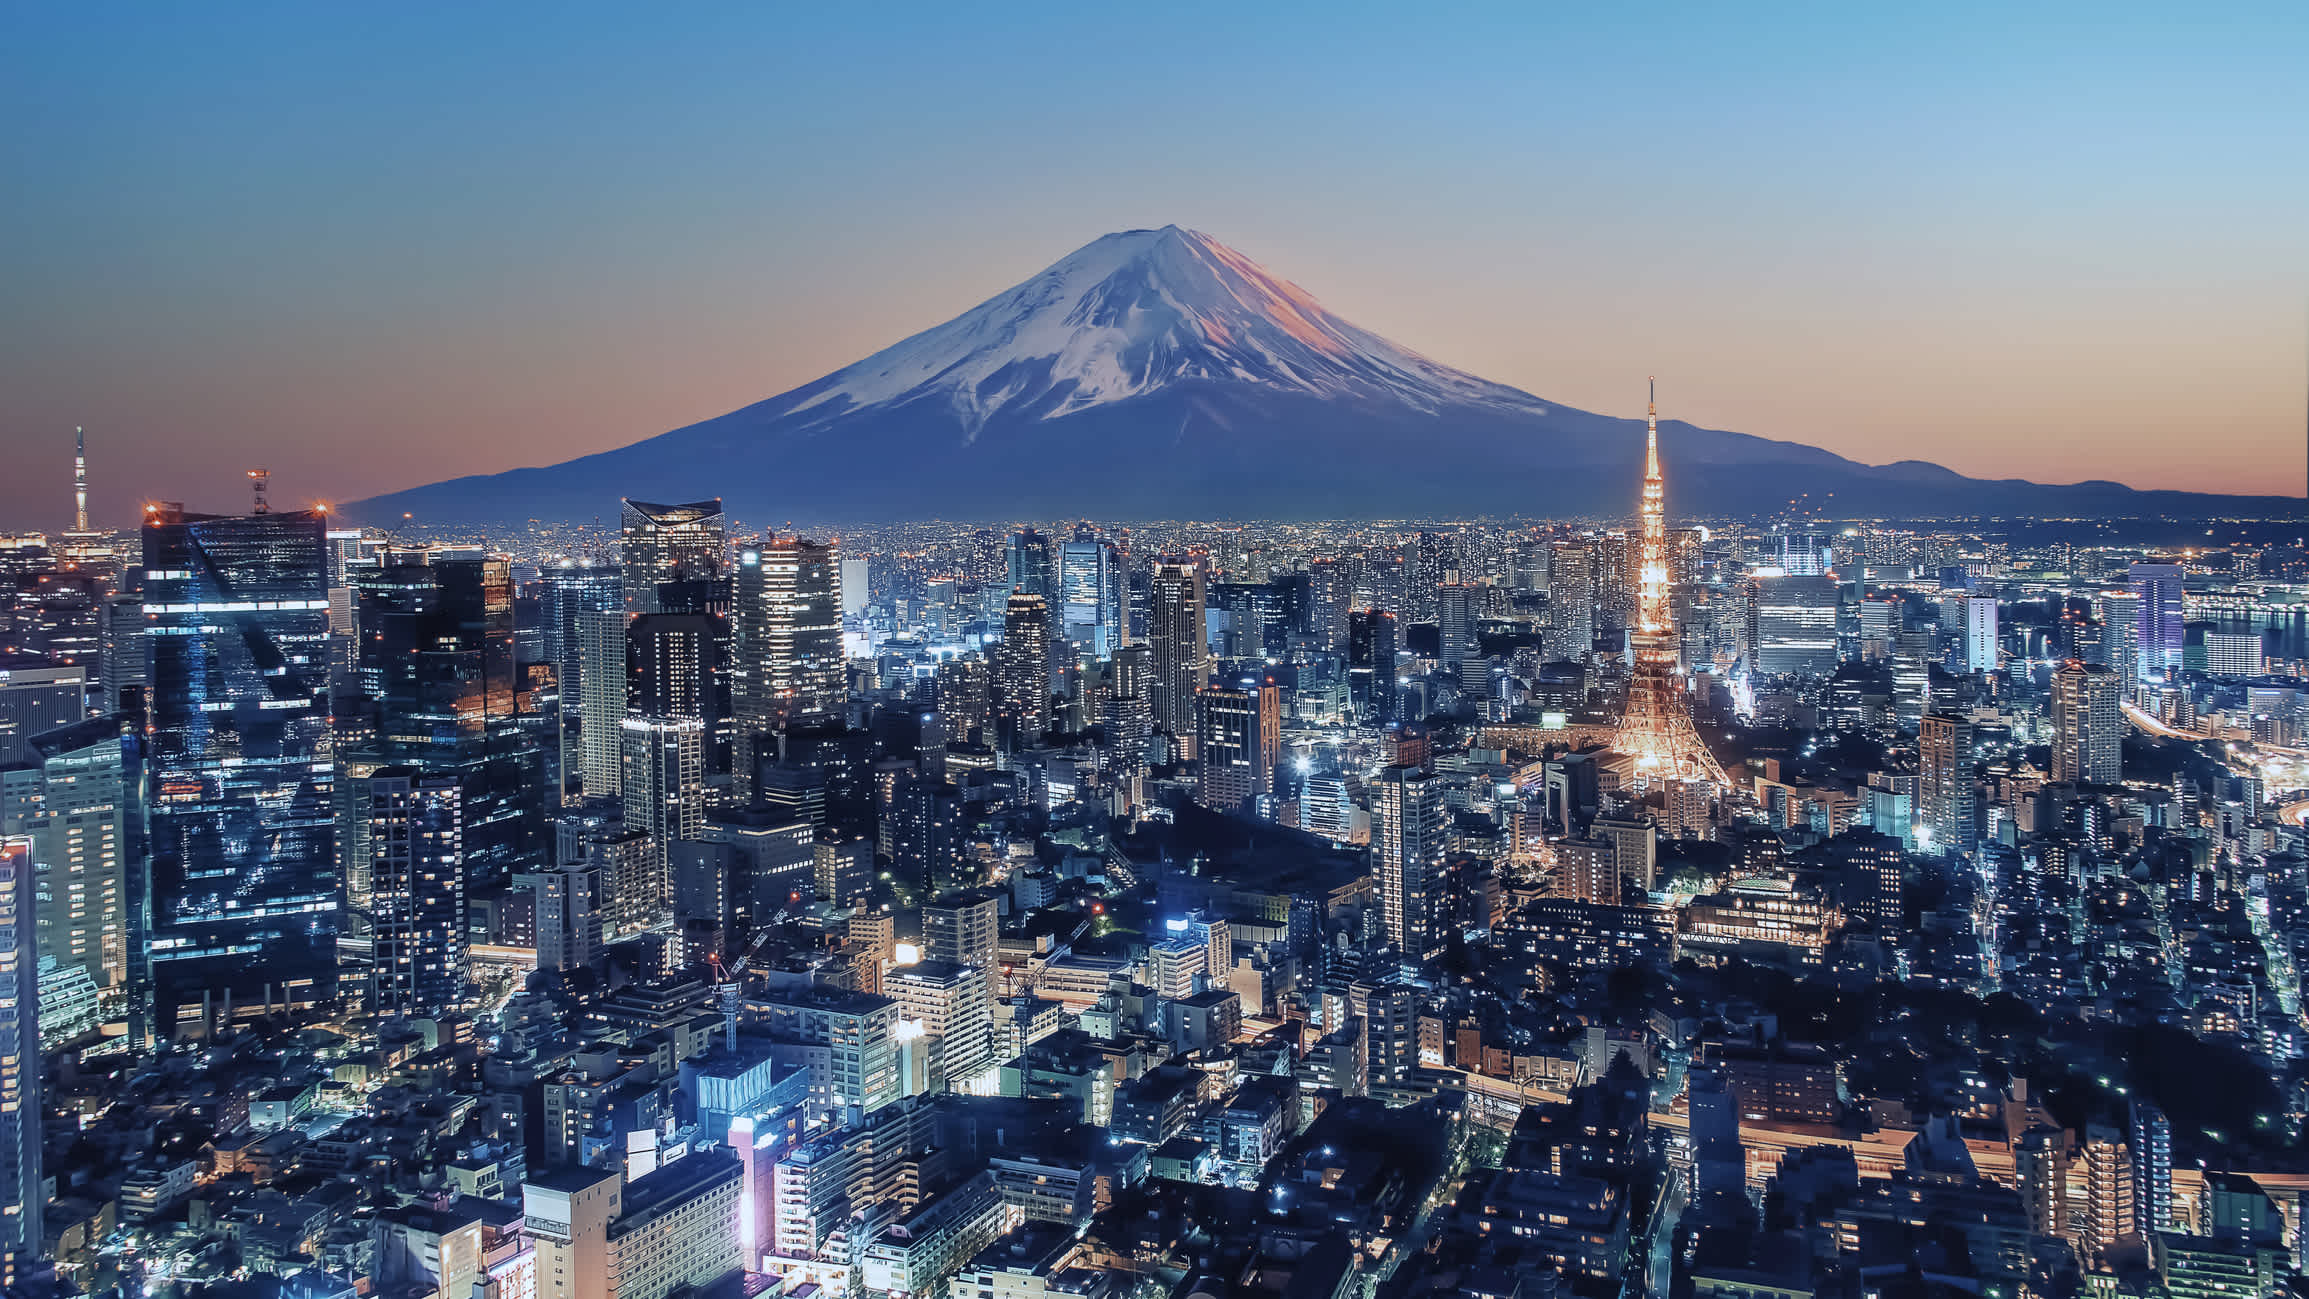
(1129, 314)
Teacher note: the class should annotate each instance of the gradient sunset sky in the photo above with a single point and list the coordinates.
(376, 245)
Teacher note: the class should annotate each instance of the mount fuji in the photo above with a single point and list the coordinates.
(1159, 374)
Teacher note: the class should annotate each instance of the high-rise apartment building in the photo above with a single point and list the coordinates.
(416, 890)
(1022, 670)
(601, 699)
(1410, 828)
(954, 1008)
(1570, 600)
(245, 898)
(1945, 784)
(663, 789)
(2088, 725)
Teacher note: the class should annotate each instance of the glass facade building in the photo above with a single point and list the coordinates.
(245, 907)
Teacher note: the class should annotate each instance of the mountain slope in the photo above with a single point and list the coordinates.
(1161, 374)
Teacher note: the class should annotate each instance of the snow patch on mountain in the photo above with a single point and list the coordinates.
(1129, 314)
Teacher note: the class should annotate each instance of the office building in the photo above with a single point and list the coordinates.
(662, 546)
(1980, 643)
(786, 634)
(1793, 624)
(440, 690)
(2158, 637)
(2233, 653)
(2119, 614)
(35, 700)
(1090, 595)
(245, 897)
(21, 1196)
(599, 1236)
(74, 797)
(1239, 742)
(1181, 649)
(1030, 564)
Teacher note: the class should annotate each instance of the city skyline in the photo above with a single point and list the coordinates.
(1895, 255)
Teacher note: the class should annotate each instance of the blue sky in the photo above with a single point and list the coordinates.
(372, 246)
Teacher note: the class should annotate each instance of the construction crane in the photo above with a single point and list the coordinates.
(729, 986)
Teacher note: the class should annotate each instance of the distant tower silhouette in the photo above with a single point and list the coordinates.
(80, 480)
(1656, 730)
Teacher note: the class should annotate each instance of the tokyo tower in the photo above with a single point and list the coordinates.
(1656, 731)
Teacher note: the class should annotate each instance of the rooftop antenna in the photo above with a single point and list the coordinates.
(258, 478)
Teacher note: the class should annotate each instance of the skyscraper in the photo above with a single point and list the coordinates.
(1181, 648)
(1090, 586)
(1980, 632)
(1570, 601)
(2119, 613)
(1944, 780)
(1371, 649)
(663, 789)
(1030, 564)
(442, 692)
(73, 799)
(1457, 607)
(1409, 849)
(244, 877)
(1330, 594)
(786, 635)
(21, 1197)
(1022, 670)
(565, 590)
(2088, 725)
(663, 545)
(417, 890)
(2158, 638)
(601, 692)
(1793, 624)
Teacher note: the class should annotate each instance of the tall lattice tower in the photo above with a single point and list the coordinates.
(1656, 730)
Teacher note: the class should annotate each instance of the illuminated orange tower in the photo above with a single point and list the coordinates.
(1656, 730)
